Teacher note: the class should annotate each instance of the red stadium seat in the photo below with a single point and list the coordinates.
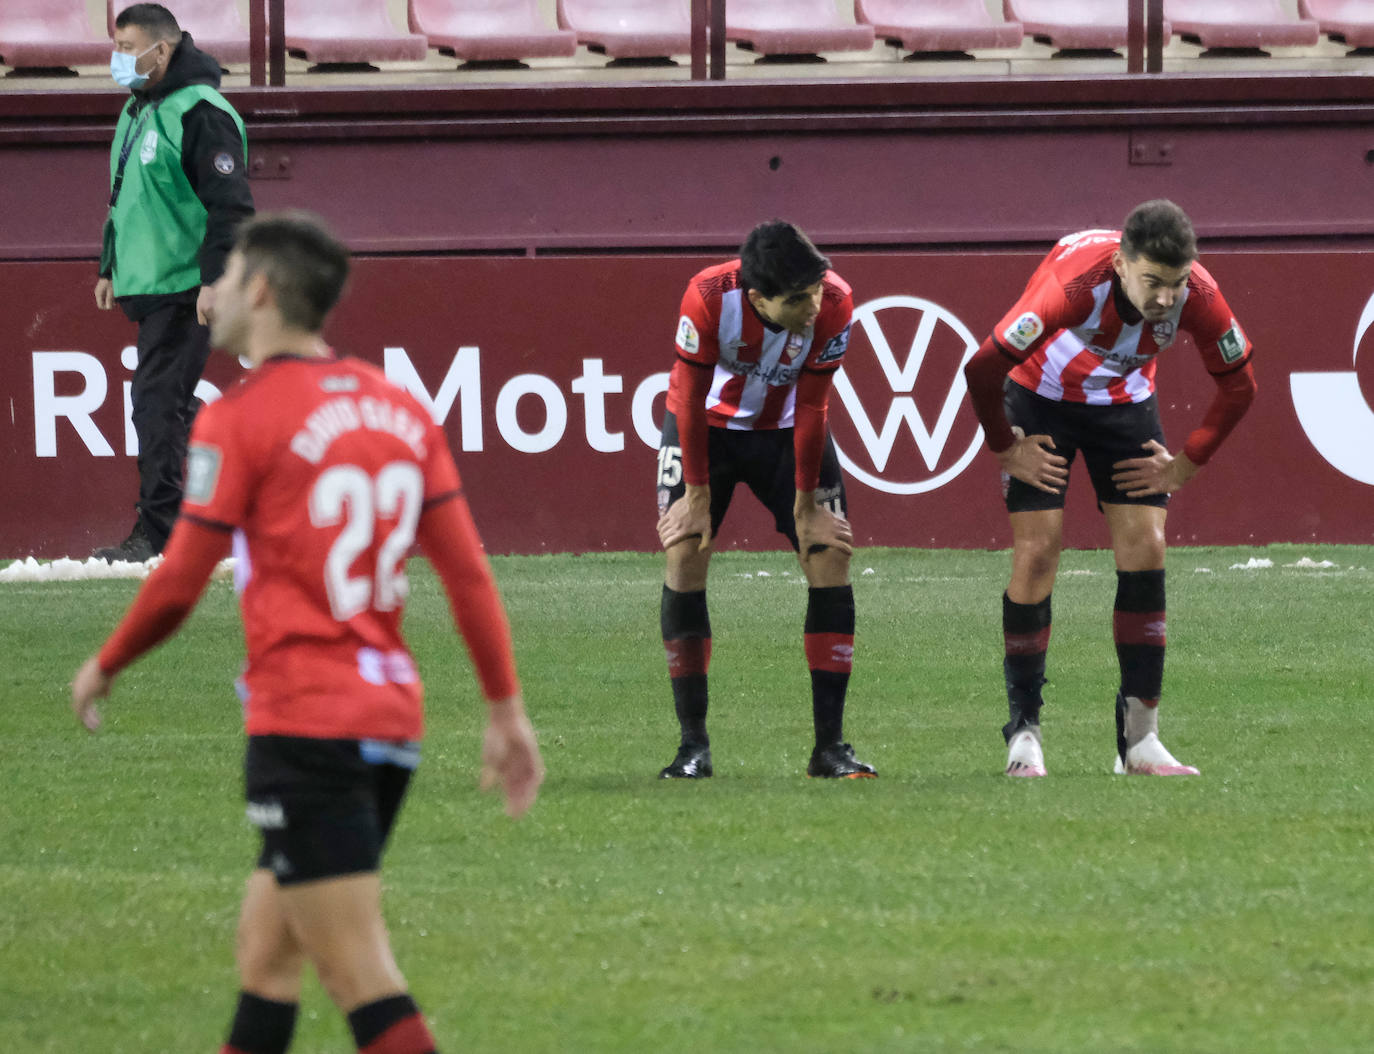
(489, 30)
(629, 29)
(350, 32)
(1073, 25)
(1239, 24)
(216, 27)
(793, 27)
(937, 25)
(1350, 22)
(49, 33)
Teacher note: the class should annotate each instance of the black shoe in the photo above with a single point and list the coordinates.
(837, 761)
(135, 549)
(691, 763)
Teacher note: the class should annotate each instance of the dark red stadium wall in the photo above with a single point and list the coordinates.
(892, 163)
(590, 204)
(548, 374)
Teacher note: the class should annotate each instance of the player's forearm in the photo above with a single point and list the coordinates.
(805, 504)
(985, 373)
(449, 538)
(167, 597)
(1235, 393)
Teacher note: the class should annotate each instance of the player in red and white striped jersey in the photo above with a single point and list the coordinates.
(758, 344)
(325, 475)
(1071, 368)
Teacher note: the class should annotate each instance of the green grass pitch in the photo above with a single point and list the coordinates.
(941, 907)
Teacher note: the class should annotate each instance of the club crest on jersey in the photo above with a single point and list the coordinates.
(835, 347)
(1022, 333)
(1232, 343)
(688, 339)
(202, 472)
(1163, 332)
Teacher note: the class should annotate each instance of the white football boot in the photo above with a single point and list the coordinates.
(1145, 756)
(1024, 756)
(1150, 758)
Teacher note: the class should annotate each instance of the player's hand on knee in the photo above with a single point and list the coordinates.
(821, 529)
(688, 517)
(1032, 459)
(1157, 472)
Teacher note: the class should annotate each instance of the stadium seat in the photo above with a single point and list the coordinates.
(1350, 22)
(629, 29)
(931, 26)
(1247, 24)
(216, 27)
(1073, 25)
(49, 34)
(348, 32)
(793, 27)
(489, 30)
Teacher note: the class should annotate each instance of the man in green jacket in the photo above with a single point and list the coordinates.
(178, 188)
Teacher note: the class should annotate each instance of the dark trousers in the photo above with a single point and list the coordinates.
(172, 349)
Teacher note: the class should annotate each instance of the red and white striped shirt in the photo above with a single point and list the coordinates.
(755, 367)
(1079, 340)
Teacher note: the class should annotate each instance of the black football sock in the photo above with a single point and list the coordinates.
(392, 1025)
(1026, 639)
(1139, 630)
(686, 629)
(829, 641)
(260, 1026)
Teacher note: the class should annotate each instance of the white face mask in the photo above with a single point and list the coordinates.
(124, 68)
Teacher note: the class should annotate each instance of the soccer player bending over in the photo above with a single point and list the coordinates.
(323, 474)
(758, 344)
(1071, 367)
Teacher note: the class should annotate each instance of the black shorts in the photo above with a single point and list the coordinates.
(1105, 435)
(324, 806)
(765, 460)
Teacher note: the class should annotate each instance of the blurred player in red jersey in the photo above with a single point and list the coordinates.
(324, 474)
(758, 344)
(1071, 368)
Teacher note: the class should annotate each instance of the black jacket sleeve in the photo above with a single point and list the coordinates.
(212, 156)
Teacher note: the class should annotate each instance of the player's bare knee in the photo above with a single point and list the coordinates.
(269, 965)
(826, 566)
(1036, 558)
(687, 566)
(1140, 547)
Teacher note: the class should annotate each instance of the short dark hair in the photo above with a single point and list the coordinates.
(304, 264)
(153, 19)
(777, 258)
(1160, 230)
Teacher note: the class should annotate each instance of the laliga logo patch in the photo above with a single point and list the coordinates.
(148, 150)
(202, 472)
(1232, 343)
(1335, 413)
(688, 339)
(1021, 334)
(932, 375)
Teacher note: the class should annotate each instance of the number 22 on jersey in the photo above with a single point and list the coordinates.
(364, 504)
